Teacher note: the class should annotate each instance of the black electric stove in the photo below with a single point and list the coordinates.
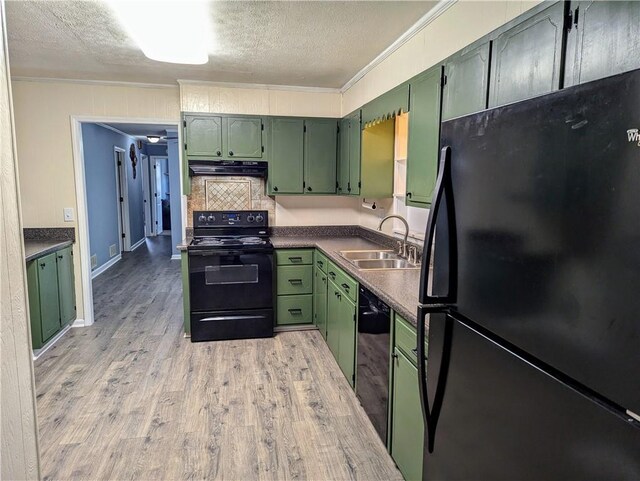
(230, 276)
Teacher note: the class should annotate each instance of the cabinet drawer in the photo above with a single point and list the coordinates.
(294, 309)
(288, 257)
(321, 261)
(346, 284)
(294, 280)
(406, 338)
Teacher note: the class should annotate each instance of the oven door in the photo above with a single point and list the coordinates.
(228, 279)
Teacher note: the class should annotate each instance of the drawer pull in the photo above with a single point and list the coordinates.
(332, 275)
(320, 263)
(415, 351)
(295, 312)
(295, 259)
(295, 281)
(345, 286)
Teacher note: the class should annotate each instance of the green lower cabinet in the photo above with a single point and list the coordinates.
(333, 318)
(294, 280)
(347, 357)
(407, 428)
(294, 309)
(66, 286)
(51, 289)
(320, 284)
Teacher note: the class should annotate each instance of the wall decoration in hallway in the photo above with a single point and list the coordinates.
(134, 158)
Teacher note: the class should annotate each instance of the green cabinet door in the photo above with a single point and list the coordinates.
(48, 295)
(466, 81)
(355, 138)
(424, 137)
(407, 428)
(287, 154)
(343, 158)
(333, 319)
(320, 301)
(604, 40)
(203, 136)
(320, 156)
(244, 138)
(526, 58)
(66, 286)
(347, 320)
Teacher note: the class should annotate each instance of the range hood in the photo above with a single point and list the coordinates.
(245, 168)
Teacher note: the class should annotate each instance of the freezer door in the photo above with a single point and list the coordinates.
(501, 418)
(547, 225)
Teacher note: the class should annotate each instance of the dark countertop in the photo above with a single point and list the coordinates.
(398, 288)
(38, 248)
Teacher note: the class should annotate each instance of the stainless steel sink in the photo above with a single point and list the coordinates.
(375, 264)
(369, 254)
(377, 260)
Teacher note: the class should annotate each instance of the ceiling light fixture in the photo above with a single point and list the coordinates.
(167, 31)
(154, 139)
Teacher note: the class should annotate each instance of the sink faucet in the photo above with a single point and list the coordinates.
(403, 247)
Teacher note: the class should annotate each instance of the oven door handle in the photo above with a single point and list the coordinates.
(227, 252)
(229, 318)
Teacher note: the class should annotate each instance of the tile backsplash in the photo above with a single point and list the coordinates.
(229, 193)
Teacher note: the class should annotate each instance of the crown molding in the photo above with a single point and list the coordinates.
(108, 83)
(240, 85)
(441, 7)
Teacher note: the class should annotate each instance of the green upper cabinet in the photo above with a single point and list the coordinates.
(387, 105)
(287, 154)
(203, 136)
(343, 158)
(604, 40)
(66, 287)
(526, 57)
(244, 138)
(355, 138)
(424, 137)
(320, 155)
(407, 428)
(48, 296)
(466, 84)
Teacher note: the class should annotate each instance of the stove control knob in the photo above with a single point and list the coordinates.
(211, 218)
(259, 218)
(202, 218)
(250, 218)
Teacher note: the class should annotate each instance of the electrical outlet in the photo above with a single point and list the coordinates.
(94, 261)
(68, 214)
(113, 250)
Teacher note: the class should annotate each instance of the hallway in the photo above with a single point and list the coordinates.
(131, 398)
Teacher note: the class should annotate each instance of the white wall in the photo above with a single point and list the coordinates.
(461, 24)
(43, 111)
(18, 425)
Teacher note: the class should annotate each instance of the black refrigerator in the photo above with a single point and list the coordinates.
(532, 310)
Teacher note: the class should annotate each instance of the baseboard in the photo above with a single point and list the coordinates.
(39, 352)
(78, 323)
(137, 244)
(105, 266)
(176, 257)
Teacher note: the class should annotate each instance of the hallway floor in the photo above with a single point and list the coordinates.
(131, 398)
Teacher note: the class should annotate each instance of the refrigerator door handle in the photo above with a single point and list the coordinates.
(444, 186)
(432, 414)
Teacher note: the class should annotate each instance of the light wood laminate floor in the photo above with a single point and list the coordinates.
(131, 398)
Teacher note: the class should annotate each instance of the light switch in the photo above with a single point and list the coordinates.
(68, 214)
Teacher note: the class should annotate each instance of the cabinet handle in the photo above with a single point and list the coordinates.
(275, 189)
(324, 279)
(42, 265)
(408, 195)
(295, 259)
(332, 275)
(295, 281)
(348, 186)
(309, 189)
(231, 153)
(345, 287)
(394, 355)
(320, 263)
(295, 311)
(60, 257)
(218, 153)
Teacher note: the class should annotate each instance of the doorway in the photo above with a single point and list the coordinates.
(161, 195)
(122, 200)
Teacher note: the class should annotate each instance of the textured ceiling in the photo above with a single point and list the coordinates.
(316, 44)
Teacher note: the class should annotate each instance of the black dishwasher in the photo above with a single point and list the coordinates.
(372, 370)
